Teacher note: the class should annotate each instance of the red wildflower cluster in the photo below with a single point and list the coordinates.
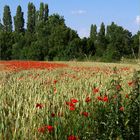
(72, 108)
(25, 65)
(104, 99)
(55, 81)
(52, 115)
(50, 128)
(44, 128)
(86, 114)
(71, 104)
(39, 105)
(74, 100)
(88, 99)
(95, 90)
(99, 98)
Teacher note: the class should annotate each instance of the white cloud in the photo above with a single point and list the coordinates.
(78, 12)
(138, 20)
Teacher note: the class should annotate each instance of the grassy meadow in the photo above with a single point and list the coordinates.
(80, 101)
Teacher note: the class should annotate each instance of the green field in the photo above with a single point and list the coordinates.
(84, 101)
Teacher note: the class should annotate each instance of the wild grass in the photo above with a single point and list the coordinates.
(84, 101)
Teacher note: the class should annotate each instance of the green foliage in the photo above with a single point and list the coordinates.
(41, 12)
(19, 20)
(111, 54)
(46, 12)
(101, 41)
(31, 18)
(134, 109)
(90, 47)
(93, 32)
(6, 42)
(18, 46)
(135, 44)
(48, 38)
(119, 42)
(7, 19)
(73, 50)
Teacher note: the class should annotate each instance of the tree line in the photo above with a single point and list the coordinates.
(47, 37)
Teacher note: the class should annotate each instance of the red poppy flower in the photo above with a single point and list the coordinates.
(88, 99)
(55, 81)
(50, 128)
(121, 108)
(74, 100)
(72, 137)
(72, 108)
(95, 90)
(105, 99)
(99, 98)
(52, 114)
(38, 105)
(70, 104)
(85, 114)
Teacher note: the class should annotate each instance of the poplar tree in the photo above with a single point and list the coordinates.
(93, 32)
(7, 19)
(101, 41)
(46, 12)
(19, 20)
(102, 31)
(31, 18)
(41, 12)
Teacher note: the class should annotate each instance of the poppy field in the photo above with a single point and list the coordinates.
(69, 101)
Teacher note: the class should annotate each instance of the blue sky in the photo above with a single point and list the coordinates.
(80, 14)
